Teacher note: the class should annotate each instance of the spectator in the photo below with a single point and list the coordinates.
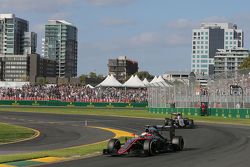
(74, 93)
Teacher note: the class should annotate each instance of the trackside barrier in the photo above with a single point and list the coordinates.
(217, 112)
(71, 104)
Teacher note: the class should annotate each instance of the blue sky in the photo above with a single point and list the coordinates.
(156, 33)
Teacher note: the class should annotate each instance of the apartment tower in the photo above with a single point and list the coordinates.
(210, 37)
(60, 44)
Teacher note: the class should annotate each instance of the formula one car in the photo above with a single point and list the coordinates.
(178, 121)
(151, 142)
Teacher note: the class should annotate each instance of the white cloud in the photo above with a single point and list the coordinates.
(60, 15)
(142, 41)
(116, 22)
(109, 2)
(34, 5)
(178, 39)
(159, 40)
(145, 39)
(181, 24)
(215, 19)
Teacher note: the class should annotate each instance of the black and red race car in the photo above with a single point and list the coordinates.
(152, 141)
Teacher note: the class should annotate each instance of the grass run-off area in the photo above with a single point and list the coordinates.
(12, 133)
(65, 152)
(95, 148)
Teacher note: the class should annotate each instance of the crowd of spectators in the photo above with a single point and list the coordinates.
(74, 93)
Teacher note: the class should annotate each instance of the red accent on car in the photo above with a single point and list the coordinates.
(125, 148)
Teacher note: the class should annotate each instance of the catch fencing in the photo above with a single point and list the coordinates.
(229, 90)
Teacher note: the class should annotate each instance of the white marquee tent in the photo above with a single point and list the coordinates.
(145, 81)
(110, 81)
(90, 86)
(154, 79)
(134, 82)
(161, 82)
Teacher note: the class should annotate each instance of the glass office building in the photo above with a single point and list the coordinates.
(60, 44)
(12, 30)
(209, 38)
(29, 43)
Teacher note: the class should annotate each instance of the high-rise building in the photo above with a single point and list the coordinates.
(25, 67)
(30, 43)
(228, 60)
(16, 44)
(176, 75)
(60, 44)
(12, 34)
(43, 47)
(209, 38)
(122, 67)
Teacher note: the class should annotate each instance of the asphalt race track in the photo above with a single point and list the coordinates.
(57, 131)
(206, 146)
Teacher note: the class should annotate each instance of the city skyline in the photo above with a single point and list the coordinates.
(156, 34)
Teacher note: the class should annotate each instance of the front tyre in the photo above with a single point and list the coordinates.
(113, 145)
(149, 147)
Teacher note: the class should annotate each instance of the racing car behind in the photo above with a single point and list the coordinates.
(178, 121)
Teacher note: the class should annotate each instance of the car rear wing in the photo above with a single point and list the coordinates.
(160, 127)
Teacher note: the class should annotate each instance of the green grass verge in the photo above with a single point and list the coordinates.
(12, 133)
(66, 152)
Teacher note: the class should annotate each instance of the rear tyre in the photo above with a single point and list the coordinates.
(113, 145)
(166, 122)
(191, 123)
(178, 143)
(149, 147)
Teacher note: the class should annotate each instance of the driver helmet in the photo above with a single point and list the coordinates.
(146, 133)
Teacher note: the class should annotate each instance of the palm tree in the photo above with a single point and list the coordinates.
(245, 64)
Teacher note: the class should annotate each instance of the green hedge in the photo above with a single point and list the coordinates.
(71, 104)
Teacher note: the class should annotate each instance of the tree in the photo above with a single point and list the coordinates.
(83, 79)
(41, 81)
(100, 76)
(25, 78)
(245, 64)
(92, 78)
(92, 75)
(144, 74)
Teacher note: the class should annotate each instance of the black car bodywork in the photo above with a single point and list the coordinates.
(154, 141)
(178, 121)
